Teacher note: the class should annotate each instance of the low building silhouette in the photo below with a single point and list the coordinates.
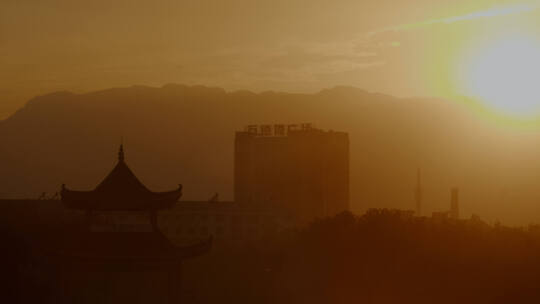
(228, 222)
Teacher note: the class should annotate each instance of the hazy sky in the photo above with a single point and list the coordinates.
(405, 48)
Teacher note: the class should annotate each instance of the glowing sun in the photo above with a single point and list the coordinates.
(505, 76)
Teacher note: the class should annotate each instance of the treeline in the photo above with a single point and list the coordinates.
(384, 256)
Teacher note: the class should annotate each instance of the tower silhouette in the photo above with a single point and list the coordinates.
(418, 193)
(454, 203)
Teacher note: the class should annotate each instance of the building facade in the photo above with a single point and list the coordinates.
(296, 168)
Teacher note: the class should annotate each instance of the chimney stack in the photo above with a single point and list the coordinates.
(418, 193)
(454, 203)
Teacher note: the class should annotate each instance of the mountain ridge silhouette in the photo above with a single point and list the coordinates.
(185, 134)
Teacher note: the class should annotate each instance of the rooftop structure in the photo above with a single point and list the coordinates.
(120, 190)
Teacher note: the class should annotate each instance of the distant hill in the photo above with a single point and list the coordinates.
(184, 134)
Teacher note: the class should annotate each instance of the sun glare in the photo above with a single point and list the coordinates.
(504, 76)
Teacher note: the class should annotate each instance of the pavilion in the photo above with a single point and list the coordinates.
(93, 263)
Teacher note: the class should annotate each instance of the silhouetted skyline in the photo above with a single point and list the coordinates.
(389, 137)
(300, 151)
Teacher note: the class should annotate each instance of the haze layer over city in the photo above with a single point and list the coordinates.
(318, 151)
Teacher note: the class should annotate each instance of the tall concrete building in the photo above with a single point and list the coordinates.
(294, 167)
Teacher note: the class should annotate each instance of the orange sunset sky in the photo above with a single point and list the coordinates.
(436, 48)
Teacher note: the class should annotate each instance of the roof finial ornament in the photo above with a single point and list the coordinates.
(121, 153)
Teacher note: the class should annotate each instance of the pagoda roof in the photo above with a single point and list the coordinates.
(121, 190)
